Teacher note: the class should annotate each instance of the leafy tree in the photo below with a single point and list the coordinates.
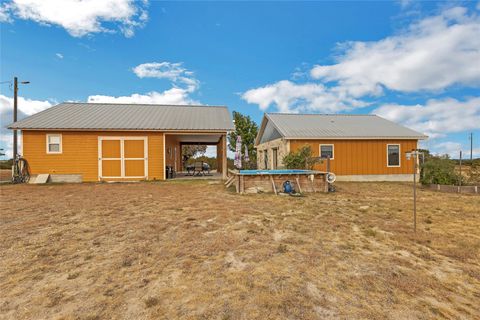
(302, 159)
(426, 155)
(247, 129)
(190, 151)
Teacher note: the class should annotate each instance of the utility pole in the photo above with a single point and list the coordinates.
(15, 111)
(15, 107)
(460, 176)
(471, 146)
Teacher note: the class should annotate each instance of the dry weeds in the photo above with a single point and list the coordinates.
(193, 250)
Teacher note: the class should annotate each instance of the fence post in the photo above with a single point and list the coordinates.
(476, 189)
(438, 187)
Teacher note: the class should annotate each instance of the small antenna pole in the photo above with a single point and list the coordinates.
(460, 177)
(471, 146)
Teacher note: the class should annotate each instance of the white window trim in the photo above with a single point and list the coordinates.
(47, 143)
(328, 144)
(399, 155)
(122, 157)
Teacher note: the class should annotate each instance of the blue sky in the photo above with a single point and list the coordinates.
(416, 63)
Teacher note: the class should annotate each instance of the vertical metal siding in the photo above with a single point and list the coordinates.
(361, 157)
(80, 153)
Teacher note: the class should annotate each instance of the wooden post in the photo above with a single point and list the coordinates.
(298, 184)
(242, 184)
(228, 182)
(273, 185)
(224, 157)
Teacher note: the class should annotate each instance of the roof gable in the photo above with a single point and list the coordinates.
(105, 116)
(269, 133)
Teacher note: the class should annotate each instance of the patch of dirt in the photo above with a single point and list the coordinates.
(192, 250)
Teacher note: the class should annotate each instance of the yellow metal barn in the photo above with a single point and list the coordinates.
(119, 142)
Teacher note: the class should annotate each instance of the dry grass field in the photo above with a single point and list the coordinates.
(192, 250)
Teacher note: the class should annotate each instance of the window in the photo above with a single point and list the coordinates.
(393, 155)
(326, 151)
(54, 143)
(275, 158)
(265, 159)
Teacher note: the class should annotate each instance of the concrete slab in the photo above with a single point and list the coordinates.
(42, 178)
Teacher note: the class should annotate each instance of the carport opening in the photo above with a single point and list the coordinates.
(207, 154)
(194, 155)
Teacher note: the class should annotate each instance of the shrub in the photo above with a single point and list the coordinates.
(438, 170)
(302, 159)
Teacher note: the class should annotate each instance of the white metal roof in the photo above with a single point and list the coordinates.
(109, 116)
(336, 126)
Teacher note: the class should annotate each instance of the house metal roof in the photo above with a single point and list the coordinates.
(114, 116)
(337, 126)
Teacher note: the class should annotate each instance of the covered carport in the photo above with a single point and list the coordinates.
(174, 142)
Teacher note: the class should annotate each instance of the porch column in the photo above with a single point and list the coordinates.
(222, 156)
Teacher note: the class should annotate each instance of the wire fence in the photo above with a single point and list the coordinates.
(454, 189)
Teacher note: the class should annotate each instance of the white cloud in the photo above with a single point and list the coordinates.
(448, 147)
(84, 17)
(167, 70)
(173, 71)
(405, 3)
(171, 96)
(452, 148)
(4, 13)
(433, 54)
(59, 55)
(211, 152)
(437, 117)
(183, 84)
(292, 97)
(6, 143)
(26, 107)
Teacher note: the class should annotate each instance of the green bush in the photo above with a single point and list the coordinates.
(438, 170)
(302, 159)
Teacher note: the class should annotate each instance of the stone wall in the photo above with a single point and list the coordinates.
(283, 148)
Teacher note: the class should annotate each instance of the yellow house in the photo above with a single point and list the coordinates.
(360, 147)
(100, 141)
